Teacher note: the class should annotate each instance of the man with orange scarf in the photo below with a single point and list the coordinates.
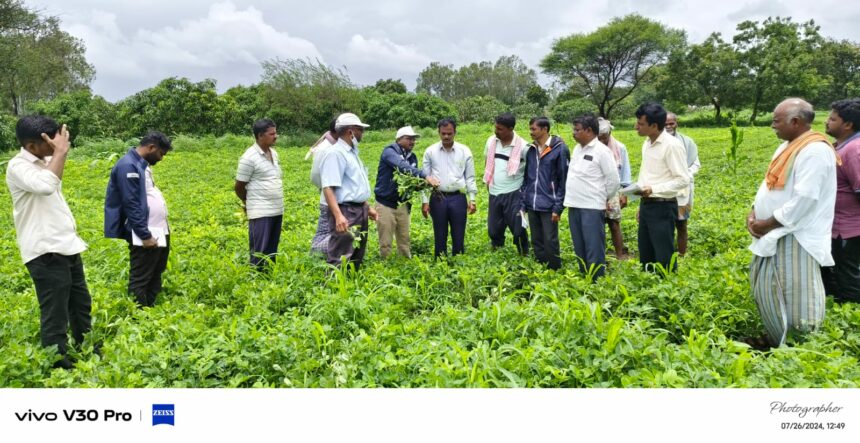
(790, 223)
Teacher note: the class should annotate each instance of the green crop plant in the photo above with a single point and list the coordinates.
(486, 318)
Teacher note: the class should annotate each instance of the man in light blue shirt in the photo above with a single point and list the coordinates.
(346, 189)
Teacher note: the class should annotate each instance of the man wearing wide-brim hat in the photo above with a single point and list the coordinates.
(346, 189)
(392, 205)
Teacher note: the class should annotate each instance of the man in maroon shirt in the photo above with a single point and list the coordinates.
(843, 279)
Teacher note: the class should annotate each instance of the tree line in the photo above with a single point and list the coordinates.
(609, 71)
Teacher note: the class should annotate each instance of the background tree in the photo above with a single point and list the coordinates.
(508, 80)
(304, 95)
(708, 73)
(609, 63)
(389, 86)
(40, 61)
(839, 63)
(174, 106)
(87, 115)
(778, 60)
(395, 110)
(481, 109)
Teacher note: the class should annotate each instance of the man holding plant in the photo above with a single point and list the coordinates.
(791, 224)
(346, 189)
(392, 206)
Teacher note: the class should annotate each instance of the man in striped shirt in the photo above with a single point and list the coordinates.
(259, 186)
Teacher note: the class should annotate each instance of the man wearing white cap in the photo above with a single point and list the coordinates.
(618, 201)
(346, 189)
(392, 206)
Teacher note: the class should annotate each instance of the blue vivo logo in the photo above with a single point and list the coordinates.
(163, 415)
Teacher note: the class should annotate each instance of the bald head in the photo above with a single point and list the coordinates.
(791, 118)
(798, 108)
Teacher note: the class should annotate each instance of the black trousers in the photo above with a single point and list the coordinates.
(343, 244)
(448, 210)
(657, 233)
(264, 234)
(545, 239)
(504, 212)
(144, 277)
(842, 280)
(64, 299)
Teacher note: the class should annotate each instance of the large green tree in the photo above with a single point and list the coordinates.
(708, 73)
(508, 79)
(175, 106)
(39, 60)
(304, 95)
(778, 60)
(608, 64)
(839, 63)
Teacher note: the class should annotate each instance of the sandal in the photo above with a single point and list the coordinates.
(759, 343)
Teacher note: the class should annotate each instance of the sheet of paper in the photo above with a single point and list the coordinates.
(158, 233)
(632, 189)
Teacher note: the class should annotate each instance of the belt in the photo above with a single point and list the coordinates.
(351, 204)
(659, 199)
(450, 194)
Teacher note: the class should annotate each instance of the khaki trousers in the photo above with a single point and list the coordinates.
(393, 223)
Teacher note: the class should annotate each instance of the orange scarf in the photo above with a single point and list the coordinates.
(780, 167)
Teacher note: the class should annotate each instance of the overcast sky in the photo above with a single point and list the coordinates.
(135, 44)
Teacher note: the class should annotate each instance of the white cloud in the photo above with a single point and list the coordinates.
(227, 44)
(385, 54)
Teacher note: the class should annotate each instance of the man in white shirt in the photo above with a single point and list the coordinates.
(685, 202)
(663, 177)
(136, 212)
(47, 238)
(454, 199)
(791, 223)
(592, 179)
(259, 186)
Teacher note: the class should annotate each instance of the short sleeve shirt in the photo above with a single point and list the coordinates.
(343, 170)
(265, 188)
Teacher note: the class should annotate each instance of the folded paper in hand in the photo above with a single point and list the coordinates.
(632, 189)
(157, 233)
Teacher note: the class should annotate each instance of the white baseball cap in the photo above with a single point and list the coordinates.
(405, 131)
(348, 119)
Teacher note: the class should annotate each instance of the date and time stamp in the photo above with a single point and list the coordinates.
(799, 417)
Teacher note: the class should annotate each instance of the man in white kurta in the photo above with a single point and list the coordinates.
(790, 224)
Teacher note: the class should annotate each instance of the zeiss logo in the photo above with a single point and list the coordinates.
(163, 415)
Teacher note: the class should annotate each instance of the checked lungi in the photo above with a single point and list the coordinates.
(788, 290)
(319, 244)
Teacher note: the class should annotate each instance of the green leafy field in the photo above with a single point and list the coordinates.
(484, 319)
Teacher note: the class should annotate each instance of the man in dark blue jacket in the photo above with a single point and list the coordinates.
(392, 206)
(543, 190)
(136, 212)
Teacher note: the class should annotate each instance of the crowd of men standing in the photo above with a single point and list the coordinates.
(805, 221)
